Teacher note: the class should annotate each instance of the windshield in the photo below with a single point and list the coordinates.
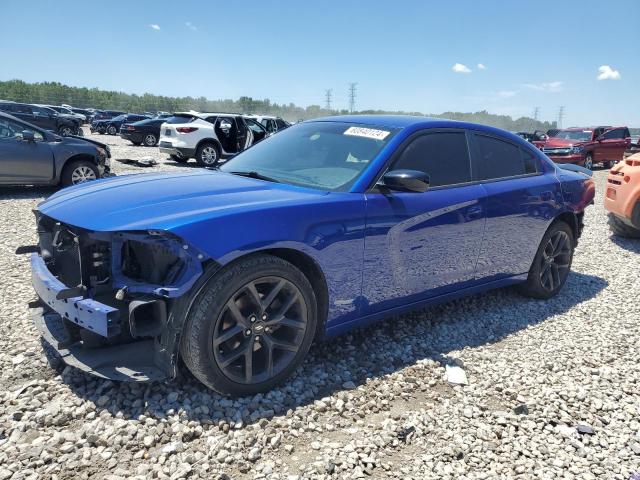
(322, 155)
(584, 135)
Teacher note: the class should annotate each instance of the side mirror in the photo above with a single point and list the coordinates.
(28, 136)
(406, 180)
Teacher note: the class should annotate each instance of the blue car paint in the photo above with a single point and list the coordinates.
(380, 254)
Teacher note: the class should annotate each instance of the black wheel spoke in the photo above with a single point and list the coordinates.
(232, 308)
(253, 293)
(555, 261)
(248, 365)
(268, 300)
(289, 322)
(235, 354)
(228, 334)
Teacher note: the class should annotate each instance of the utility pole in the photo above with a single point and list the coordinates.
(352, 96)
(327, 95)
(560, 116)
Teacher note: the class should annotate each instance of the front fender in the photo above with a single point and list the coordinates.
(329, 231)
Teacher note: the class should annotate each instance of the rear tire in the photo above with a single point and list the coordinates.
(552, 263)
(150, 140)
(588, 162)
(238, 312)
(208, 155)
(608, 165)
(112, 130)
(621, 229)
(179, 159)
(77, 172)
(101, 129)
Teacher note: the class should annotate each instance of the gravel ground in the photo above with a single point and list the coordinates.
(553, 387)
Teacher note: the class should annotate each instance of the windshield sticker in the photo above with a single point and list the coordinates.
(366, 133)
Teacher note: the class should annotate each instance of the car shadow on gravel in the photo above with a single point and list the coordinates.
(26, 193)
(630, 244)
(345, 362)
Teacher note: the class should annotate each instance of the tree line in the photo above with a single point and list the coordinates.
(54, 93)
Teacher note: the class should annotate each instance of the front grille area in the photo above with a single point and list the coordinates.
(73, 257)
(557, 151)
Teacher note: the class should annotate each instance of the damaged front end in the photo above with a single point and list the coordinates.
(112, 303)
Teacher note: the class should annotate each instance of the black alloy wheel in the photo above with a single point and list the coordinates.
(260, 330)
(250, 326)
(555, 261)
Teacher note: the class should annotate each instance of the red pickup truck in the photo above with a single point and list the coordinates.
(588, 146)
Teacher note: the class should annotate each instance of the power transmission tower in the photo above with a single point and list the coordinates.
(560, 116)
(327, 95)
(536, 113)
(352, 96)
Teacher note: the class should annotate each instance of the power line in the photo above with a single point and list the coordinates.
(327, 95)
(561, 115)
(352, 96)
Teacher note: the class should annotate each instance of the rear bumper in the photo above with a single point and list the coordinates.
(135, 361)
(166, 147)
(132, 137)
(622, 193)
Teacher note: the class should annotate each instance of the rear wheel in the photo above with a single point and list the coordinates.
(552, 262)
(207, 155)
(608, 165)
(250, 327)
(150, 140)
(77, 172)
(588, 161)
(101, 129)
(112, 130)
(618, 227)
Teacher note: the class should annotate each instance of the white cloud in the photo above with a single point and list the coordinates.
(608, 73)
(155, 26)
(507, 93)
(460, 68)
(545, 86)
(481, 66)
(191, 26)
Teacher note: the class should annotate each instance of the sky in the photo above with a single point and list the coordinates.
(427, 56)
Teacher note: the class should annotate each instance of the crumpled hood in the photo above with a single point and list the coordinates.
(165, 201)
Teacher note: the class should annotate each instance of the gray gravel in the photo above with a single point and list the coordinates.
(553, 387)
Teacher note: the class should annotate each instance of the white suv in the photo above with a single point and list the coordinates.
(208, 137)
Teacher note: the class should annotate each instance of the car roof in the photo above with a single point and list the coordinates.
(405, 121)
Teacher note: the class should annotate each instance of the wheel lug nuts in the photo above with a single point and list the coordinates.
(264, 316)
(247, 332)
(268, 329)
(257, 338)
(252, 318)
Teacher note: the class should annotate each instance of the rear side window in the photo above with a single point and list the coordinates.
(444, 156)
(496, 159)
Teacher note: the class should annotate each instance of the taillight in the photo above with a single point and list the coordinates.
(186, 129)
(129, 127)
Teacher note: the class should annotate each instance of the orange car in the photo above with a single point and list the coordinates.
(622, 197)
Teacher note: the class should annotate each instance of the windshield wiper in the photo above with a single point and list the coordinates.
(256, 175)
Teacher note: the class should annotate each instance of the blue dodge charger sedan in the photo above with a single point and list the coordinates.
(328, 225)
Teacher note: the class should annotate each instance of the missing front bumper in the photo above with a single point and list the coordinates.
(124, 362)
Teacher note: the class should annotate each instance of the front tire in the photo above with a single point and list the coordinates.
(207, 155)
(250, 327)
(78, 172)
(621, 229)
(588, 162)
(101, 129)
(552, 263)
(65, 131)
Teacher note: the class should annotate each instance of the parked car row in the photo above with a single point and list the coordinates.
(44, 117)
(112, 125)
